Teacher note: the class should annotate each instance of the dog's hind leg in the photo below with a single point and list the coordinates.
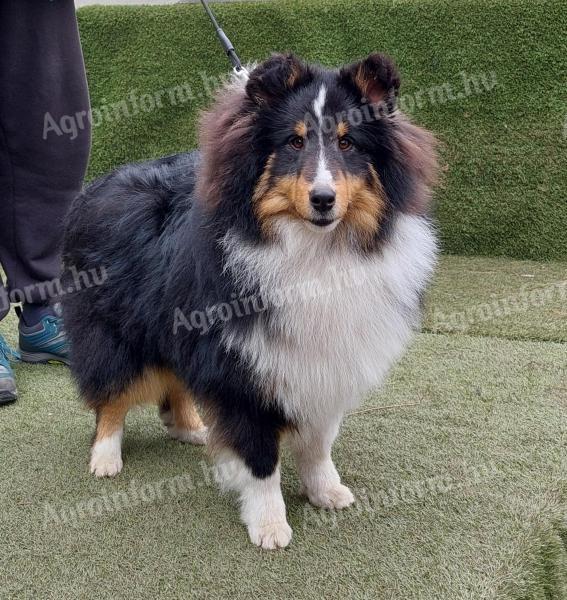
(180, 416)
(106, 454)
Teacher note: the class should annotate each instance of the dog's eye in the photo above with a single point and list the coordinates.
(297, 142)
(345, 144)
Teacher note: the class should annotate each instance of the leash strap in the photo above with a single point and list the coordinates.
(225, 42)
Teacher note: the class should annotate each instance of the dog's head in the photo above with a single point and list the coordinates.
(327, 148)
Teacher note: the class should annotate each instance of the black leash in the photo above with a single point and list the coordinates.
(225, 42)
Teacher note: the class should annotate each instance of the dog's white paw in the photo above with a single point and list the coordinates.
(189, 436)
(106, 456)
(272, 536)
(106, 467)
(333, 496)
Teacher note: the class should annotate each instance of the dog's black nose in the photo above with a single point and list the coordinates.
(322, 199)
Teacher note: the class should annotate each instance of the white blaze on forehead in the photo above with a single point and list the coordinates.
(319, 103)
(323, 176)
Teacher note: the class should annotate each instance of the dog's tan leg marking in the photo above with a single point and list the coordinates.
(154, 386)
(106, 453)
(181, 418)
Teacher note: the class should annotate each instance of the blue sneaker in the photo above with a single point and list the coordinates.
(8, 392)
(45, 342)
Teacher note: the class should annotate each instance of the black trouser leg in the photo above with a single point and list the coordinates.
(42, 80)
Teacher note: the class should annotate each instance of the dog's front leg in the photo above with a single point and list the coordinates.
(262, 507)
(311, 446)
(248, 464)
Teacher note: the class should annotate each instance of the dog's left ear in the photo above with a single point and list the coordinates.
(274, 77)
(376, 78)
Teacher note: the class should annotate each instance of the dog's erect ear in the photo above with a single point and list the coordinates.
(274, 77)
(375, 78)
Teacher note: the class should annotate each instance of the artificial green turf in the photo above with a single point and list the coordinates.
(461, 491)
(512, 299)
(460, 495)
(459, 466)
(503, 150)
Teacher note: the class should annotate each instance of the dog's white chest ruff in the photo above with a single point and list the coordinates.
(338, 320)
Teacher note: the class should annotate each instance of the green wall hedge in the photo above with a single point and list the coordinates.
(503, 147)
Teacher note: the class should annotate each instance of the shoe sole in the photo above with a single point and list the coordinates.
(7, 398)
(43, 358)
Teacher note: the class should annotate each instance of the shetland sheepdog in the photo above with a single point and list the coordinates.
(257, 289)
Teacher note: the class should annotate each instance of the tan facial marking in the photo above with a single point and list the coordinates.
(287, 195)
(342, 129)
(301, 128)
(359, 203)
(365, 204)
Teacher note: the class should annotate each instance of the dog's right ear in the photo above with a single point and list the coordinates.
(276, 76)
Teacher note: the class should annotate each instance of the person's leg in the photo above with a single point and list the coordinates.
(8, 392)
(43, 84)
(4, 300)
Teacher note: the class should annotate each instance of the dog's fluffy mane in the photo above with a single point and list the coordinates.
(224, 130)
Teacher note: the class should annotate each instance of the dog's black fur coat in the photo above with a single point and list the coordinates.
(160, 251)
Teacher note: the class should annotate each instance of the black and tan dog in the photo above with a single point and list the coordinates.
(299, 235)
